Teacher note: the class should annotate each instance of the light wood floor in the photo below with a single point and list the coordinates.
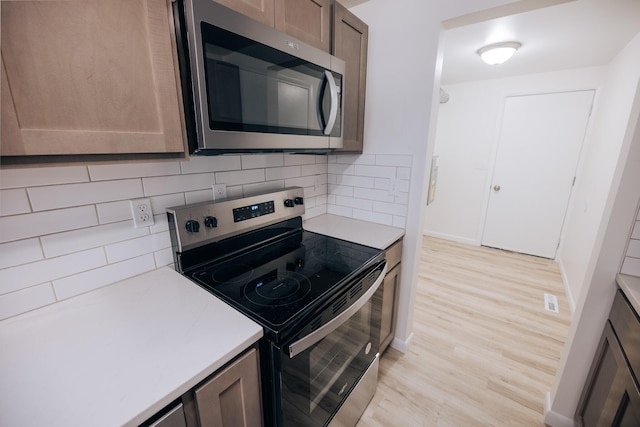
(485, 350)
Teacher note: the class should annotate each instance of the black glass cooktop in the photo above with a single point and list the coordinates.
(277, 282)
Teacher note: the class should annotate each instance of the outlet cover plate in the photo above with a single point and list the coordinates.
(141, 212)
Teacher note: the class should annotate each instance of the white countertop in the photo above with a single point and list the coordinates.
(630, 285)
(354, 230)
(117, 355)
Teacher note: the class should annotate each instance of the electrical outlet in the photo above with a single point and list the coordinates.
(219, 191)
(141, 212)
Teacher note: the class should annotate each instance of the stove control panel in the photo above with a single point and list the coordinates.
(198, 224)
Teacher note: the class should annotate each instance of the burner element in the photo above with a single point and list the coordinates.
(277, 288)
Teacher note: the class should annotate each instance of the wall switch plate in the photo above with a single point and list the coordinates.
(141, 212)
(219, 191)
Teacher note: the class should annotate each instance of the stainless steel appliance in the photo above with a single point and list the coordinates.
(249, 87)
(318, 298)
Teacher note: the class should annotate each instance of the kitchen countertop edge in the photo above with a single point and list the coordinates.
(366, 233)
(630, 285)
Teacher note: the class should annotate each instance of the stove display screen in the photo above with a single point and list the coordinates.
(253, 211)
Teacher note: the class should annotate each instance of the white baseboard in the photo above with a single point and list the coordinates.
(567, 289)
(553, 419)
(451, 237)
(400, 345)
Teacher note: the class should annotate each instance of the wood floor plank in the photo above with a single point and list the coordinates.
(484, 351)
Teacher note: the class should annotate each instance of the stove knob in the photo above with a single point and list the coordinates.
(298, 201)
(210, 221)
(192, 226)
(288, 203)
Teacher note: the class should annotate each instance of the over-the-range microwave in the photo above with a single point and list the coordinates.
(248, 87)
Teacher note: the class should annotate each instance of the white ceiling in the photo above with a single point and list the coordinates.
(580, 33)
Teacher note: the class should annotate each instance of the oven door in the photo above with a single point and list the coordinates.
(320, 369)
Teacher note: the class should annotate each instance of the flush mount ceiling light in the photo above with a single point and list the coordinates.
(498, 53)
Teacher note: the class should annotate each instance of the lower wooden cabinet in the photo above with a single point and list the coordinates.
(611, 396)
(389, 295)
(232, 397)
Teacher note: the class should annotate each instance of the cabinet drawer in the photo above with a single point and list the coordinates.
(394, 254)
(626, 326)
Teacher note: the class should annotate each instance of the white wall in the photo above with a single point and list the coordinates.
(612, 237)
(598, 166)
(68, 230)
(403, 65)
(466, 142)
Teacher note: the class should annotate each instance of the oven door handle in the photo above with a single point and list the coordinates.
(304, 343)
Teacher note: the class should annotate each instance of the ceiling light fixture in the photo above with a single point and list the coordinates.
(498, 53)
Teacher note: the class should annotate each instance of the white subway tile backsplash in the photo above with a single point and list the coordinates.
(631, 266)
(159, 204)
(354, 203)
(63, 196)
(340, 210)
(14, 202)
(25, 300)
(41, 223)
(204, 164)
(373, 194)
(375, 171)
(261, 187)
(315, 211)
(164, 258)
(393, 160)
(282, 173)
(315, 169)
(634, 249)
(177, 184)
(389, 208)
(249, 176)
(113, 211)
(20, 252)
(99, 277)
(303, 181)
(32, 177)
(132, 170)
(199, 196)
(341, 190)
(400, 221)
(129, 249)
(255, 161)
(382, 184)
(357, 159)
(341, 169)
(403, 173)
(356, 181)
(370, 216)
(300, 159)
(316, 190)
(24, 276)
(86, 238)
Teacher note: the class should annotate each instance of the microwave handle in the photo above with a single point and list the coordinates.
(304, 343)
(335, 101)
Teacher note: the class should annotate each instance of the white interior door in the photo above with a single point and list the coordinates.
(538, 150)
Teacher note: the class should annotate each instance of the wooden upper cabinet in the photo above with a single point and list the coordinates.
(89, 77)
(260, 10)
(350, 42)
(307, 20)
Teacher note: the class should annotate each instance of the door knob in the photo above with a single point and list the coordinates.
(496, 188)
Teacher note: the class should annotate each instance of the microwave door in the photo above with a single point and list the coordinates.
(330, 83)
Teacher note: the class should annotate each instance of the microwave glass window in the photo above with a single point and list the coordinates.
(252, 87)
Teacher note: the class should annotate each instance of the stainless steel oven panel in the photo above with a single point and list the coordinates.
(317, 335)
(223, 212)
(359, 398)
(222, 17)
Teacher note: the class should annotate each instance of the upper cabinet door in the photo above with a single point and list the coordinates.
(260, 10)
(307, 20)
(350, 41)
(89, 77)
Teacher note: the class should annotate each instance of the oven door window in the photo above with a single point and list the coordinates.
(252, 87)
(316, 381)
